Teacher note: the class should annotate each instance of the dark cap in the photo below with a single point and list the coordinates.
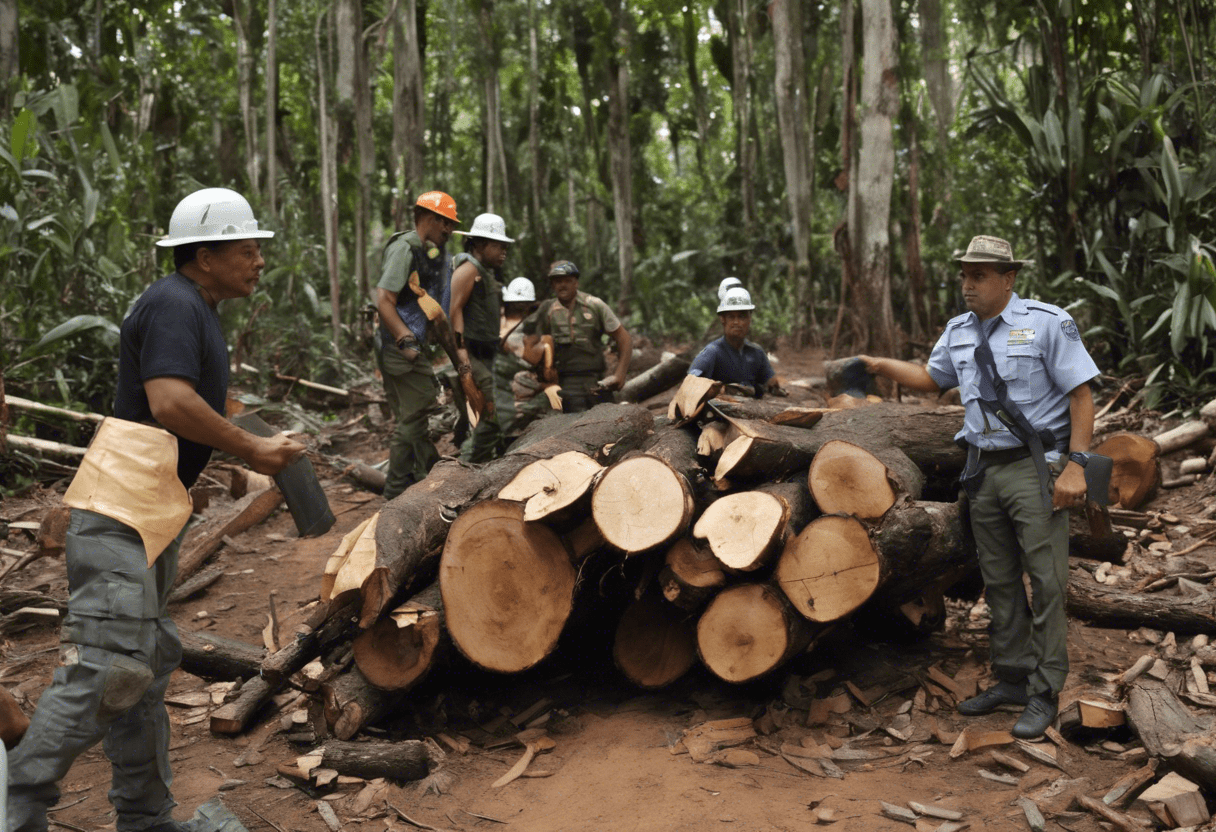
(563, 268)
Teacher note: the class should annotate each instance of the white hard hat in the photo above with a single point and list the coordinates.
(489, 227)
(519, 289)
(212, 214)
(726, 283)
(736, 299)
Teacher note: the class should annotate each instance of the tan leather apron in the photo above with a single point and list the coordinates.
(129, 474)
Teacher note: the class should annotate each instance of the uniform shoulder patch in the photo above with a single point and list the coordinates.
(1069, 328)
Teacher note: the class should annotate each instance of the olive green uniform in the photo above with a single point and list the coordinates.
(578, 338)
(482, 312)
(517, 398)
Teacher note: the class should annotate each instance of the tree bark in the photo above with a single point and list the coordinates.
(328, 164)
(413, 526)
(272, 106)
(876, 175)
(232, 717)
(351, 702)
(214, 657)
(750, 630)
(1108, 607)
(1168, 729)
(496, 158)
(669, 372)
(691, 575)
(10, 55)
(655, 643)
(242, 20)
(352, 87)
(409, 109)
(620, 151)
(739, 27)
(534, 151)
(400, 760)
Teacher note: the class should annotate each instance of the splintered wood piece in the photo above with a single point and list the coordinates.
(398, 650)
(641, 503)
(830, 569)
(655, 644)
(1098, 714)
(507, 587)
(359, 562)
(714, 437)
(1008, 762)
(845, 478)
(531, 748)
(339, 556)
(973, 739)
(1120, 820)
(934, 811)
(743, 529)
(1034, 817)
(748, 630)
(799, 417)
(691, 576)
(549, 486)
(1135, 473)
(690, 399)
(1126, 787)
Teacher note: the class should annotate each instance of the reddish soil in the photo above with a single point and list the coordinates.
(613, 767)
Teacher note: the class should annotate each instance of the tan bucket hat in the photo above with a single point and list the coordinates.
(985, 249)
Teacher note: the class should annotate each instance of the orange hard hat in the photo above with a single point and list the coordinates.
(440, 203)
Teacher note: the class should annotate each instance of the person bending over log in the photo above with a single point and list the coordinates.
(130, 505)
(525, 380)
(414, 279)
(1023, 376)
(577, 322)
(732, 359)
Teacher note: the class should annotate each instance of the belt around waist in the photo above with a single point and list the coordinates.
(1005, 456)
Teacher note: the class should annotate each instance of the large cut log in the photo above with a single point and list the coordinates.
(413, 526)
(834, 566)
(351, 702)
(669, 372)
(765, 451)
(846, 478)
(1136, 472)
(691, 575)
(559, 487)
(210, 656)
(507, 585)
(746, 529)
(646, 501)
(251, 510)
(401, 760)
(655, 642)
(1111, 607)
(1167, 728)
(397, 652)
(749, 630)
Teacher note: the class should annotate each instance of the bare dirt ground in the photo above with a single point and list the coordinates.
(614, 766)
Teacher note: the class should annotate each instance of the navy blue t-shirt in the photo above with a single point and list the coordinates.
(722, 362)
(171, 331)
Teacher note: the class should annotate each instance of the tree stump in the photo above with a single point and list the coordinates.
(691, 575)
(507, 587)
(846, 478)
(1136, 472)
(749, 630)
(398, 651)
(646, 501)
(655, 643)
(744, 530)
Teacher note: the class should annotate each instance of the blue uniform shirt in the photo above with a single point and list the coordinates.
(722, 362)
(1038, 351)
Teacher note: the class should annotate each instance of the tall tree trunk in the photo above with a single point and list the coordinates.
(538, 218)
(847, 233)
(741, 63)
(620, 153)
(497, 192)
(792, 104)
(328, 176)
(10, 64)
(409, 110)
(916, 268)
(691, 30)
(242, 20)
(354, 101)
(272, 106)
(876, 169)
(935, 58)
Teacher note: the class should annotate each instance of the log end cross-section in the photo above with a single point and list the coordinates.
(747, 631)
(847, 479)
(1136, 471)
(830, 569)
(398, 650)
(641, 503)
(507, 587)
(742, 529)
(655, 642)
(548, 486)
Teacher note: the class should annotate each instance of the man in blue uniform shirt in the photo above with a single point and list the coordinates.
(1019, 518)
(732, 359)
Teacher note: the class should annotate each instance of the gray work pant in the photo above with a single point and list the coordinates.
(119, 648)
(1016, 533)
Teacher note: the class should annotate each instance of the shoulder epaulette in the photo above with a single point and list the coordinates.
(1043, 309)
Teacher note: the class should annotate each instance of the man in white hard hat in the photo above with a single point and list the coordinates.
(524, 376)
(475, 311)
(129, 506)
(415, 279)
(732, 359)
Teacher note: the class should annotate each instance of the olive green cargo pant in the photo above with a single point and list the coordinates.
(1015, 533)
(412, 391)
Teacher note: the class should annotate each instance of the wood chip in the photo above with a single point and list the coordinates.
(1003, 779)
(1042, 752)
(1034, 818)
(328, 815)
(898, 813)
(1008, 762)
(934, 811)
(973, 739)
